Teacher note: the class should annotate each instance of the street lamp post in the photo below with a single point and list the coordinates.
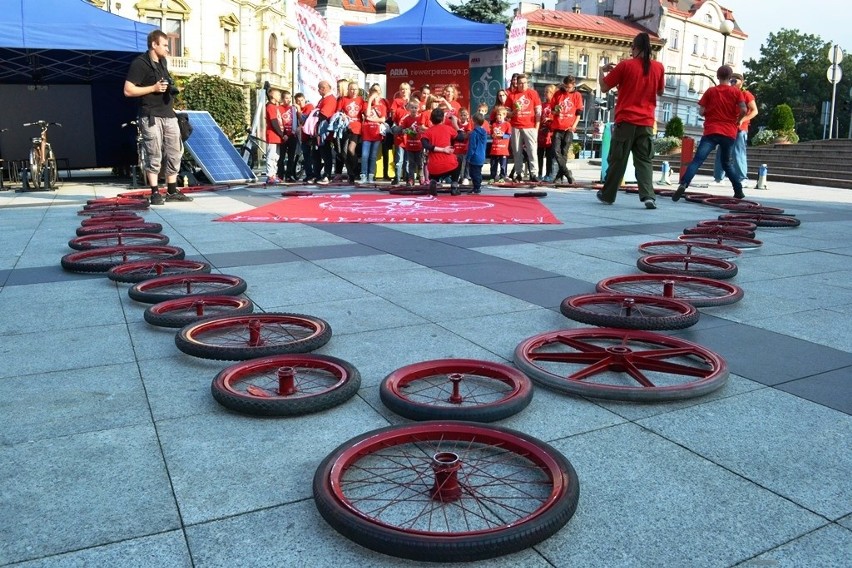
(725, 28)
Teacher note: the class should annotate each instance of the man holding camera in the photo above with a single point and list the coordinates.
(149, 81)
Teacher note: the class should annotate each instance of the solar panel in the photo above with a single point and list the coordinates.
(213, 152)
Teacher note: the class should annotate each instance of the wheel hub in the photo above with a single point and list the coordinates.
(446, 488)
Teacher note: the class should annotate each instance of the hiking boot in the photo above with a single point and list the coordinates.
(681, 189)
(177, 196)
(156, 199)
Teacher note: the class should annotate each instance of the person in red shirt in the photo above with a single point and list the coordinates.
(501, 101)
(352, 105)
(723, 108)
(274, 132)
(545, 138)
(640, 80)
(289, 140)
(566, 107)
(410, 130)
(525, 106)
(438, 141)
(375, 112)
(449, 101)
(501, 134)
(740, 156)
(304, 109)
(398, 110)
(323, 158)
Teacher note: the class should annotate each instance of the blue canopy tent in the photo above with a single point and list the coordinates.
(426, 32)
(57, 56)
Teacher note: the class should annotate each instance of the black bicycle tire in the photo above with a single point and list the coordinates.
(146, 291)
(776, 221)
(112, 218)
(721, 269)
(120, 228)
(649, 284)
(121, 273)
(173, 313)
(342, 391)
(185, 341)
(468, 546)
(745, 225)
(76, 261)
(742, 243)
(85, 242)
(409, 191)
(518, 397)
(719, 230)
(530, 194)
(35, 170)
(687, 247)
(684, 314)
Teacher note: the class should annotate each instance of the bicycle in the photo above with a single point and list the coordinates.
(42, 162)
(139, 168)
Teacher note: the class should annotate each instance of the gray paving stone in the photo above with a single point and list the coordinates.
(661, 505)
(804, 460)
(830, 389)
(69, 402)
(296, 535)
(403, 283)
(368, 264)
(357, 315)
(224, 463)
(819, 326)
(76, 491)
(178, 385)
(828, 547)
(54, 312)
(464, 301)
(846, 522)
(166, 549)
(28, 353)
(266, 293)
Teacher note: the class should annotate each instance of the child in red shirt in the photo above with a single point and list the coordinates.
(438, 141)
(501, 133)
(410, 131)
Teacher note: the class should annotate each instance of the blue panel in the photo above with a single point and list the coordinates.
(213, 152)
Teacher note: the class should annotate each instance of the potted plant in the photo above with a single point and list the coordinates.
(574, 150)
(667, 145)
(763, 138)
(782, 123)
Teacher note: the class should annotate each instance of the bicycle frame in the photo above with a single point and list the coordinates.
(41, 159)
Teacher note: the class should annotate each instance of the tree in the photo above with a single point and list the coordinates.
(484, 11)
(792, 70)
(224, 101)
(674, 127)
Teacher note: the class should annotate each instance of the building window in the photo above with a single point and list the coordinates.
(695, 45)
(730, 55)
(671, 81)
(583, 66)
(549, 61)
(705, 51)
(715, 49)
(690, 116)
(674, 39)
(273, 53)
(227, 44)
(667, 112)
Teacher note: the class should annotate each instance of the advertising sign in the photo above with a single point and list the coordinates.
(436, 74)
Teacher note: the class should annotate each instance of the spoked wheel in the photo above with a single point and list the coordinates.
(724, 202)
(689, 247)
(297, 193)
(286, 385)
(36, 167)
(629, 312)
(99, 210)
(744, 225)
(118, 217)
(51, 173)
(456, 389)
(126, 205)
(446, 491)
(621, 364)
(742, 243)
(87, 242)
(762, 220)
(102, 259)
(131, 227)
(170, 287)
(182, 311)
(696, 197)
(258, 335)
(757, 209)
(719, 230)
(700, 292)
(134, 200)
(690, 265)
(133, 272)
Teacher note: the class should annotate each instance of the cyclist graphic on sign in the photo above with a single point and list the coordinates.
(484, 89)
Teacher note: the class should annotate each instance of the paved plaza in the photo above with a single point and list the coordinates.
(114, 452)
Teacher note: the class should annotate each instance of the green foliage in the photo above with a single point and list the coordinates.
(484, 11)
(763, 138)
(792, 70)
(674, 128)
(781, 118)
(224, 101)
(666, 145)
(576, 148)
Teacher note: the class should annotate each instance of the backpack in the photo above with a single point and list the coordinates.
(184, 125)
(310, 125)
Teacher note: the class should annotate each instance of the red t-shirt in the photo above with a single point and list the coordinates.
(637, 92)
(352, 108)
(327, 105)
(287, 119)
(570, 104)
(721, 110)
(749, 98)
(273, 112)
(499, 142)
(371, 131)
(411, 143)
(522, 105)
(441, 135)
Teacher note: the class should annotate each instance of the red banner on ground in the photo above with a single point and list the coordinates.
(349, 208)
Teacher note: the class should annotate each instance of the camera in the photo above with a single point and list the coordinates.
(173, 90)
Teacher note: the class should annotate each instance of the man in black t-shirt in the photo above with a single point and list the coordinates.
(149, 81)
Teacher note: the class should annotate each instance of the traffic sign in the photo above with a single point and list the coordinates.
(835, 54)
(834, 73)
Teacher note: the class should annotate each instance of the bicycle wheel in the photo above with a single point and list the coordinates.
(116, 200)
(696, 197)
(446, 491)
(106, 210)
(725, 202)
(456, 389)
(629, 312)
(35, 166)
(742, 243)
(700, 292)
(256, 335)
(617, 364)
(127, 205)
(87, 242)
(133, 272)
(105, 218)
(117, 227)
(688, 264)
(689, 247)
(286, 385)
(762, 220)
(182, 311)
(52, 171)
(169, 287)
(719, 230)
(102, 259)
(757, 209)
(744, 225)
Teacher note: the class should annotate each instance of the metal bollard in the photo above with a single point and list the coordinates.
(761, 177)
(665, 172)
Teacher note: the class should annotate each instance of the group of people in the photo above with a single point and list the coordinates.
(726, 108)
(353, 127)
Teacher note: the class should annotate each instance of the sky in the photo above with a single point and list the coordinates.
(759, 18)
